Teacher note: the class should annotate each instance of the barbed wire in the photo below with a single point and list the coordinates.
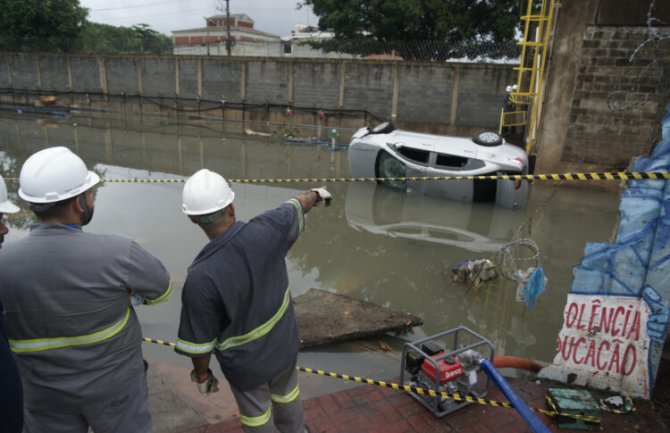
(336, 48)
(655, 37)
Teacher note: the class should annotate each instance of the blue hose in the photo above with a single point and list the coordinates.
(529, 416)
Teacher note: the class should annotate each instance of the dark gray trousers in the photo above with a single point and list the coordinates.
(272, 406)
(127, 411)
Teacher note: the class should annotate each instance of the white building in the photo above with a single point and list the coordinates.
(212, 39)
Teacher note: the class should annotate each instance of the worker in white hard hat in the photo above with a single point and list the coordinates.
(67, 293)
(236, 303)
(11, 394)
(508, 107)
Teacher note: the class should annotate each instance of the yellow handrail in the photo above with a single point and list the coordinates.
(531, 71)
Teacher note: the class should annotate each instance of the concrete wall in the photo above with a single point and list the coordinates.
(601, 109)
(436, 97)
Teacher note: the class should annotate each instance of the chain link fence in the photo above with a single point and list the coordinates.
(425, 51)
(335, 48)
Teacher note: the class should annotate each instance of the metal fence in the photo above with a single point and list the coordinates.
(430, 51)
(368, 48)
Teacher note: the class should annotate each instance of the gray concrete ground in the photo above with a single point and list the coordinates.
(169, 412)
(176, 405)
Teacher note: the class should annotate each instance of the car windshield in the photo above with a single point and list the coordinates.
(388, 166)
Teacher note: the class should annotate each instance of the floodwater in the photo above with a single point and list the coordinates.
(372, 243)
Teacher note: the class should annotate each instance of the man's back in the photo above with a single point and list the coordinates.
(244, 275)
(69, 318)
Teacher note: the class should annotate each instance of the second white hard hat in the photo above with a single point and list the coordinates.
(206, 192)
(6, 206)
(54, 174)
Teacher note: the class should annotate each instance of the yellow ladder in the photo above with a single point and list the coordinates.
(537, 27)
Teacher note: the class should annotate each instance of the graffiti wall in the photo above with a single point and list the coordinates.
(616, 317)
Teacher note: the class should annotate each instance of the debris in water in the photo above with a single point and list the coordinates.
(384, 346)
(617, 404)
(474, 272)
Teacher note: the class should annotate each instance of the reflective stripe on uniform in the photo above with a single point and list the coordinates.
(162, 298)
(301, 215)
(40, 344)
(257, 333)
(195, 348)
(286, 398)
(256, 421)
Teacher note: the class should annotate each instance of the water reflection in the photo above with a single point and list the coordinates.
(420, 217)
(373, 243)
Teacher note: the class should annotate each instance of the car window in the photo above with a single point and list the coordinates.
(444, 160)
(416, 155)
(390, 166)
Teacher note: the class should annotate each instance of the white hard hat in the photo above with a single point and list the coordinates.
(514, 88)
(206, 192)
(508, 89)
(6, 206)
(54, 174)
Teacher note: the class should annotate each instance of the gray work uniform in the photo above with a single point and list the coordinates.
(76, 338)
(236, 302)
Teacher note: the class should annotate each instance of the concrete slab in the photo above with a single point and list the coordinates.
(169, 413)
(176, 405)
(324, 317)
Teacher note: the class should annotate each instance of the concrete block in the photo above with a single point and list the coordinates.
(85, 74)
(122, 76)
(158, 77)
(316, 84)
(267, 82)
(425, 94)
(53, 73)
(24, 71)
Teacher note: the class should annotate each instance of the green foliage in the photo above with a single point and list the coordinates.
(61, 26)
(105, 39)
(452, 26)
(40, 25)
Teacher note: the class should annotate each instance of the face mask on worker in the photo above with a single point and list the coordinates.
(87, 216)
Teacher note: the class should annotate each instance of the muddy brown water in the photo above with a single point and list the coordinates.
(373, 243)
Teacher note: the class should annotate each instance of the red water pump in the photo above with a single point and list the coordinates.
(440, 369)
(433, 363)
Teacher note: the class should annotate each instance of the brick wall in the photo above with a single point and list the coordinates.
(618, 99)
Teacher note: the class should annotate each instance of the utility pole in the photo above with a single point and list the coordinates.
(228, 41)
(207, 37)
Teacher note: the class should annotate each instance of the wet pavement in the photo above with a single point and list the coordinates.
(369, 409)
(375, 409)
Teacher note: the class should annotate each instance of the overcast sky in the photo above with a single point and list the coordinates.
(273, 16)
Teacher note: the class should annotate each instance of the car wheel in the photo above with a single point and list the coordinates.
(487, 139)
(382, 128)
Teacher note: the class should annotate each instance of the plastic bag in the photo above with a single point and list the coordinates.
(534, 287)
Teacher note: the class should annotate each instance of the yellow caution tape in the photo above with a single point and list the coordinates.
(566, 176)
(161, 342)
(620, 175)
(421, 391)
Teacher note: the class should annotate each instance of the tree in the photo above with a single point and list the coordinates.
(105, 39)
(40, 25)
(421, 29)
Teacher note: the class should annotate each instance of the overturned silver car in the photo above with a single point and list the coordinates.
(384, 151)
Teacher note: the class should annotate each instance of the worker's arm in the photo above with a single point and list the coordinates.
(147, 279)
(312, 198)
(201, 369)
(203, 376)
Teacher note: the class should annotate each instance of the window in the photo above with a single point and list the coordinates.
(445, 160)
(416, 155)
